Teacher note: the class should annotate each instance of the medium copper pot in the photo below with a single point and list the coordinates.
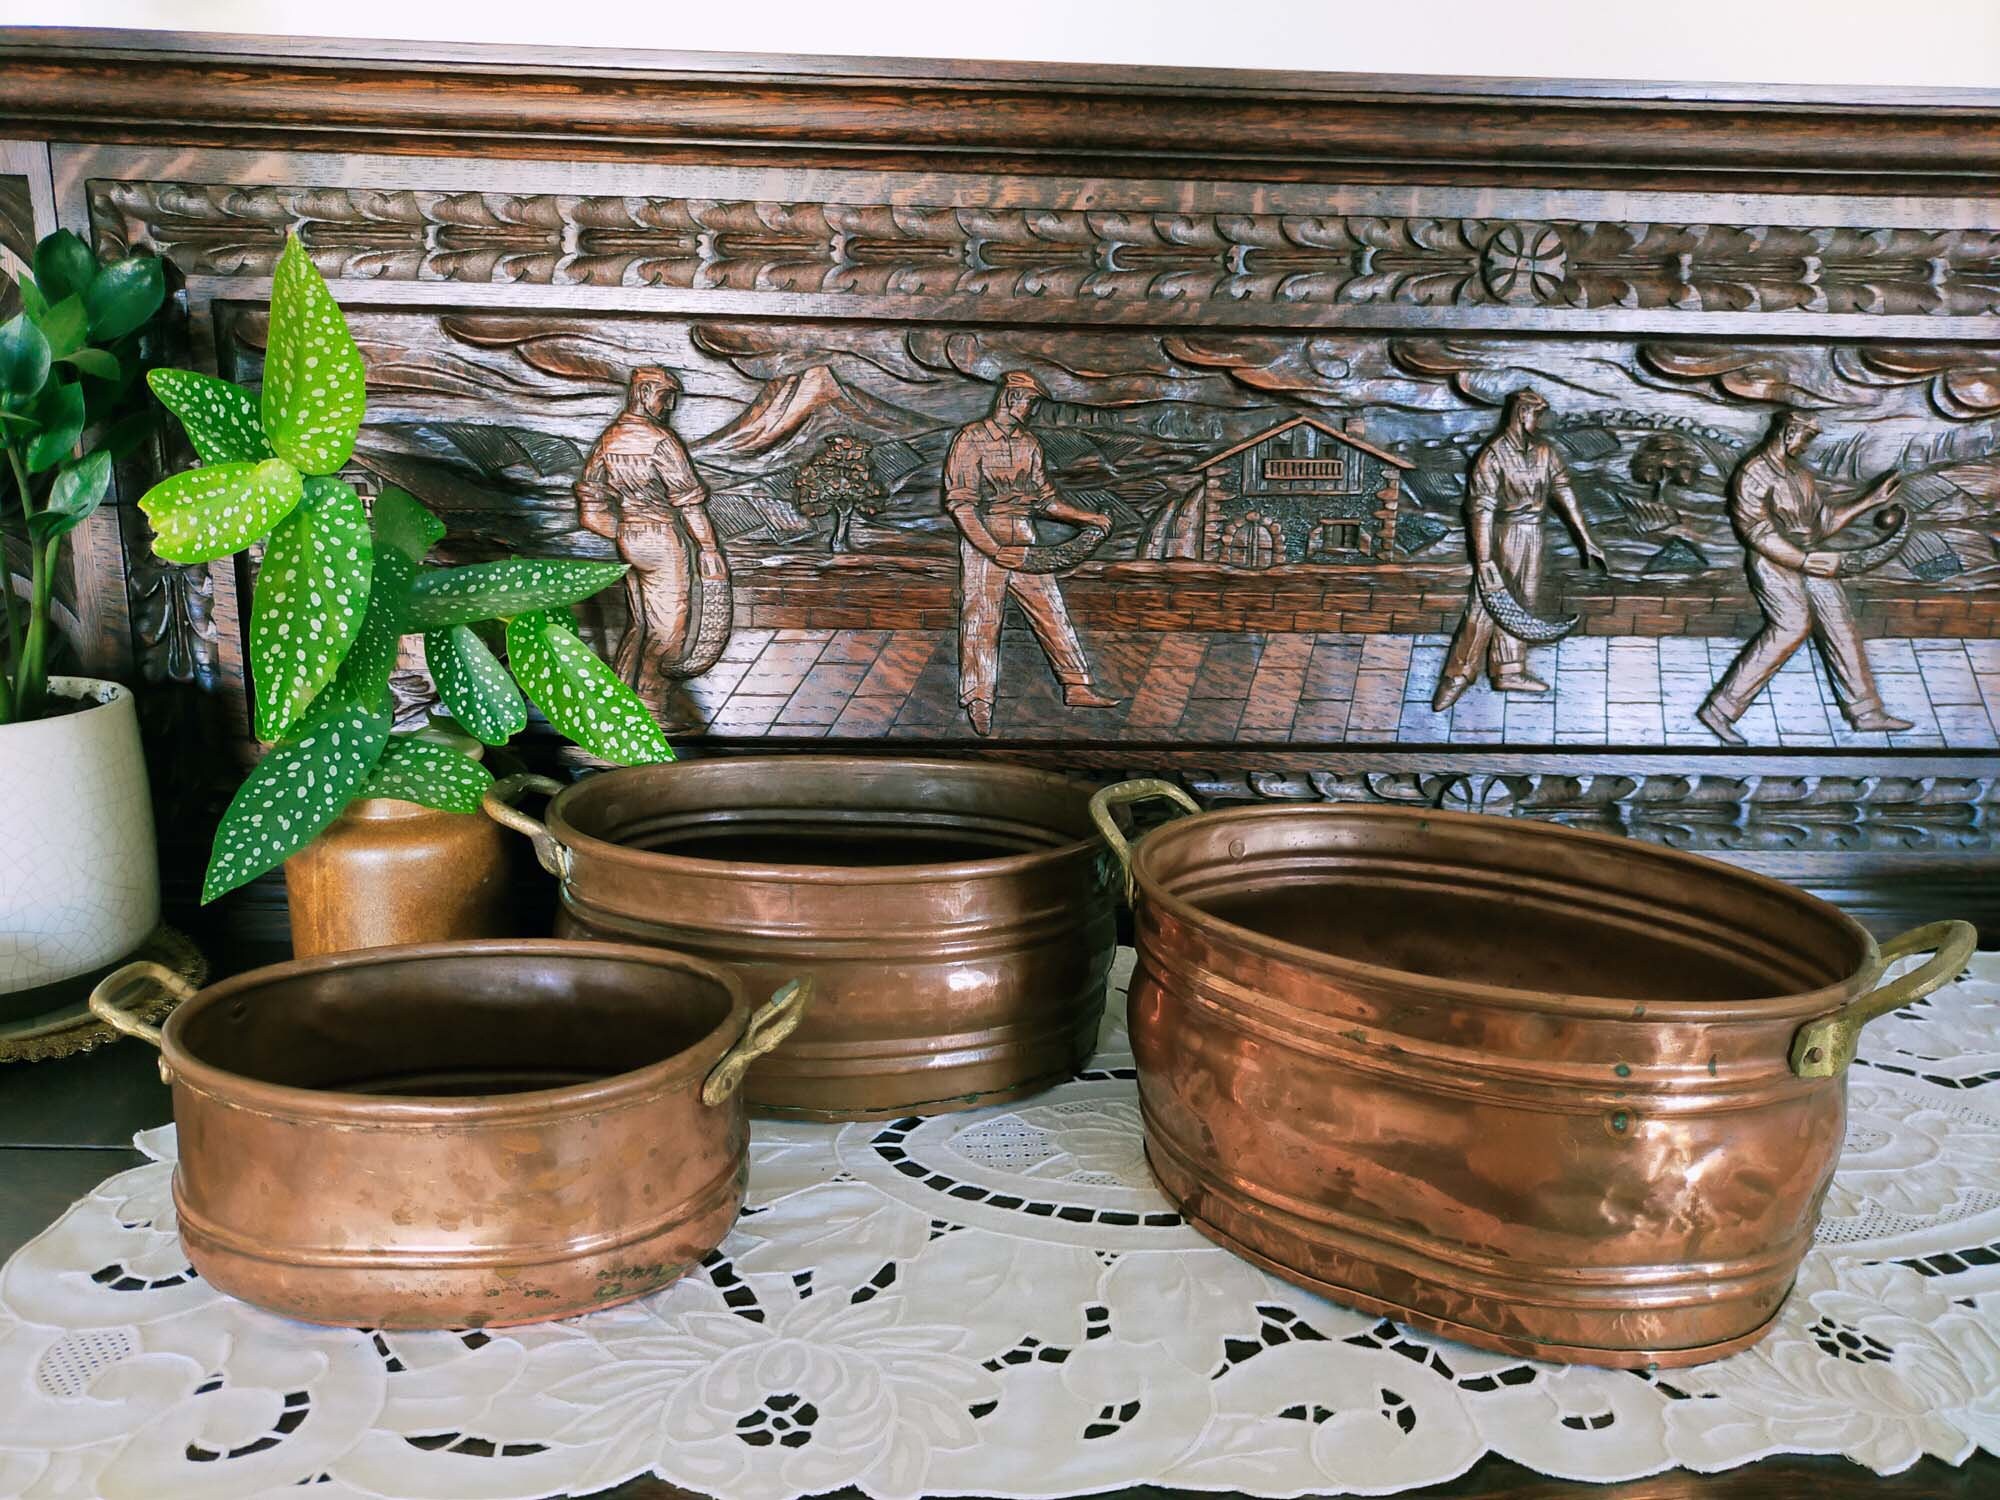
(1559, 1094)
(958, 917)
(456, 1134)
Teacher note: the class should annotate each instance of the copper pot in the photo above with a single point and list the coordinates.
(958, 917)
(388, 871)
(1559, 1094)
(456, 1135)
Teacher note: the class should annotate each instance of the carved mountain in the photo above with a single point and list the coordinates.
(793, 413)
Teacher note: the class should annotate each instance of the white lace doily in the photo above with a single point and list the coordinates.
(1002, 1304)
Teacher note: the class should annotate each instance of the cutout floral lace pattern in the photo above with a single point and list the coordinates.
(1000, 1303)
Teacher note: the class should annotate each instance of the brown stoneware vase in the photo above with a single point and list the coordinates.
(1559, 1094)
(958, 917)
(388, 871)
(458, 1134)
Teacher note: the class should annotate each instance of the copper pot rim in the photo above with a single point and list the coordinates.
(686, 1067)
(1796, 1005)
(801, 873)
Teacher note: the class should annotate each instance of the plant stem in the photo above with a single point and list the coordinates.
(12, 707)
(29, 683)
(32, 685)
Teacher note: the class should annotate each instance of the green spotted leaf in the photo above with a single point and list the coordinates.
(210, 512)
(363, 678)
(579, 695)
(402, 523)
(474, 688)
(294, 792)
(311, 593)
(500, 590)
(314, 393)
(219, 415)
(435, 775)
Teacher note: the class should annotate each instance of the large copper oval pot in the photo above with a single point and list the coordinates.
(958, 917)
(456, 1134)
(1559, 1094)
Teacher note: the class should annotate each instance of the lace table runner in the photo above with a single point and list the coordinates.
(1001, 1303)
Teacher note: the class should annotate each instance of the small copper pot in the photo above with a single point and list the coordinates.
(958, 917)
(387, 872)
(456, 1135)
(1563, 1095)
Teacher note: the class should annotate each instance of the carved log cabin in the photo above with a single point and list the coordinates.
(1308, 347)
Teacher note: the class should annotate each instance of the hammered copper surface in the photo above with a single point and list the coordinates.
(454, 1135)
(1521, 1086)
(958, 917)
(388, 872)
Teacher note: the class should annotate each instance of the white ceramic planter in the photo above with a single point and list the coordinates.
(79, 885)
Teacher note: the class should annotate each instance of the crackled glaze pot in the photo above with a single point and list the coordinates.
(79, 884)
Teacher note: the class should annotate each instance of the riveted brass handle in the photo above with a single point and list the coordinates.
(118, 991)
(1823, 1047)
(1142, 790)
(499, 805)
(776, 1019)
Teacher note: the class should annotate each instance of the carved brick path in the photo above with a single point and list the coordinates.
(1197, 688)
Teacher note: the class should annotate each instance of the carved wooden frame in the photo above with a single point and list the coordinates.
(1100, 203)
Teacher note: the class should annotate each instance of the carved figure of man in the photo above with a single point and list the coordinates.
(1513, 479)
(1775, 505)
(639, 490)
(995, 485)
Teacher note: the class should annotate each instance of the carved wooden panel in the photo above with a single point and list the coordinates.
(1286, 555)
(1038, 447)
(1342, 256)
(17, 238)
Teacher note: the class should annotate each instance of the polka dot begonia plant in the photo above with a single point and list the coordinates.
(340, 583)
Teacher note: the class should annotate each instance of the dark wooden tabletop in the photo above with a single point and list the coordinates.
(66, 1126)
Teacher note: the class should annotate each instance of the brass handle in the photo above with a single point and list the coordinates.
(1142, 790)
(1823, 1047)
(776, 1019)
(122, 985)
(499, 805)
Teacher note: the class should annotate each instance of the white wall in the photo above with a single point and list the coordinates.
(1888, 42)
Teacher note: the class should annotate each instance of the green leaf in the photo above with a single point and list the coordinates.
(207, 513)
(63, 326)
(363, 678)
(402, 523)
(579, 695)
(60, 412)
(31, 296)
(79, 489)
(64, 266)
(418, 771)
(499, 590)
(294, 792)
(99, 364)
(125, 294)
(219, 415)
(24, 359)
(314, 392)
(310, 596)
(127, 433)
(473, 686)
